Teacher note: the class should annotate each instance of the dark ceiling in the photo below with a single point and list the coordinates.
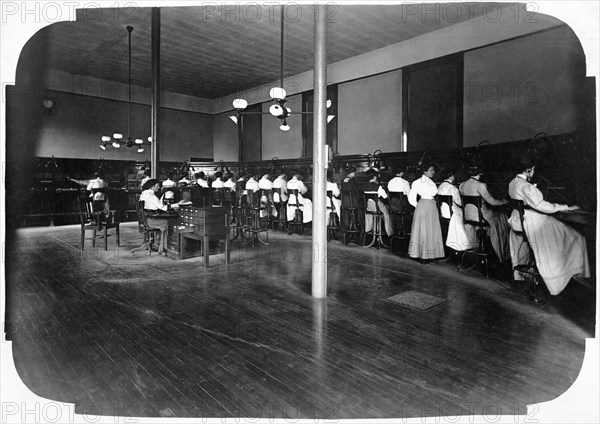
(214, 51)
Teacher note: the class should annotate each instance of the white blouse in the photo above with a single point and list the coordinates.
(265, 184)
(296, 184)
(399, 184)
(251, 184)
(424, 187)
(521, 189)
(151, 202)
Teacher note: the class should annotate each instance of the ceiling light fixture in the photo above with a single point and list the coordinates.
(117, 138)
(278, 95)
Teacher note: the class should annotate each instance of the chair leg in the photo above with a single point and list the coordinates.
(151, 238)
(82, 237)
(537, 292)
(118, 236)
(94, 239)
(105, 237)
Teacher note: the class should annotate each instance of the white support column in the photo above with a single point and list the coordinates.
(319, 233)
(154, 155)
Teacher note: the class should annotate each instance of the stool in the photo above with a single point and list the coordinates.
(254, 210)
(350, 209)
(372, 209)
(297, 222)
(240, 212)
(280, 206)
(267, 206)
(334, 221)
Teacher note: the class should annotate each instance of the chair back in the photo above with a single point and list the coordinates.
(398, 202)
(330, 204)
(201, 197)
(446, 199)
(477, 202)
(349, 200)
(87, 215)
(277, 195)
(228, 195)
(253, 198)
(141, 216)
(297, 203)
(218, 196)
(268, 194)
(371, 203)
(519, 206)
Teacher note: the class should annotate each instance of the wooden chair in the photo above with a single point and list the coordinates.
(334, 222)
(143, 227)
(201, 197)
(218, 196)
(530, 268)
(481, 226)
(297, 222)
(266, 206)
(350, 209)
(95, 222)
(372, 209)
(401, 216)
(281, 206)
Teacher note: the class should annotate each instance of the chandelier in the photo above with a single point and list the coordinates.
(117, 137)
(278, 94)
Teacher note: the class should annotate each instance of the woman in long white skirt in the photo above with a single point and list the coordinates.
(560, 252)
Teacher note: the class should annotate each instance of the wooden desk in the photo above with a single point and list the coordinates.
(200, 224)
(577, 218)
(585, 223)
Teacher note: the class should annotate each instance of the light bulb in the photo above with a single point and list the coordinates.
(234, 119)
(139, 141)
(328, 103)
(240, 104)
(103, 146)
(140, 149)
(149, 139)
(284, 126)
(105, 138)
(276, 110)
(117, 136)
(116, 144)
(329, 118)
(277, 93)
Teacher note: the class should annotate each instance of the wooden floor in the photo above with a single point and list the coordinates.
(132, 335)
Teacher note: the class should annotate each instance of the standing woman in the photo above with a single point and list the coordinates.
(426, 240)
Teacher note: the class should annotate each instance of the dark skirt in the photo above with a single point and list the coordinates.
(426, 240)
(160, 223)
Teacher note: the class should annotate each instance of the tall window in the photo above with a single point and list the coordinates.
(307, 121)
(252, 135)
(433, 104)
